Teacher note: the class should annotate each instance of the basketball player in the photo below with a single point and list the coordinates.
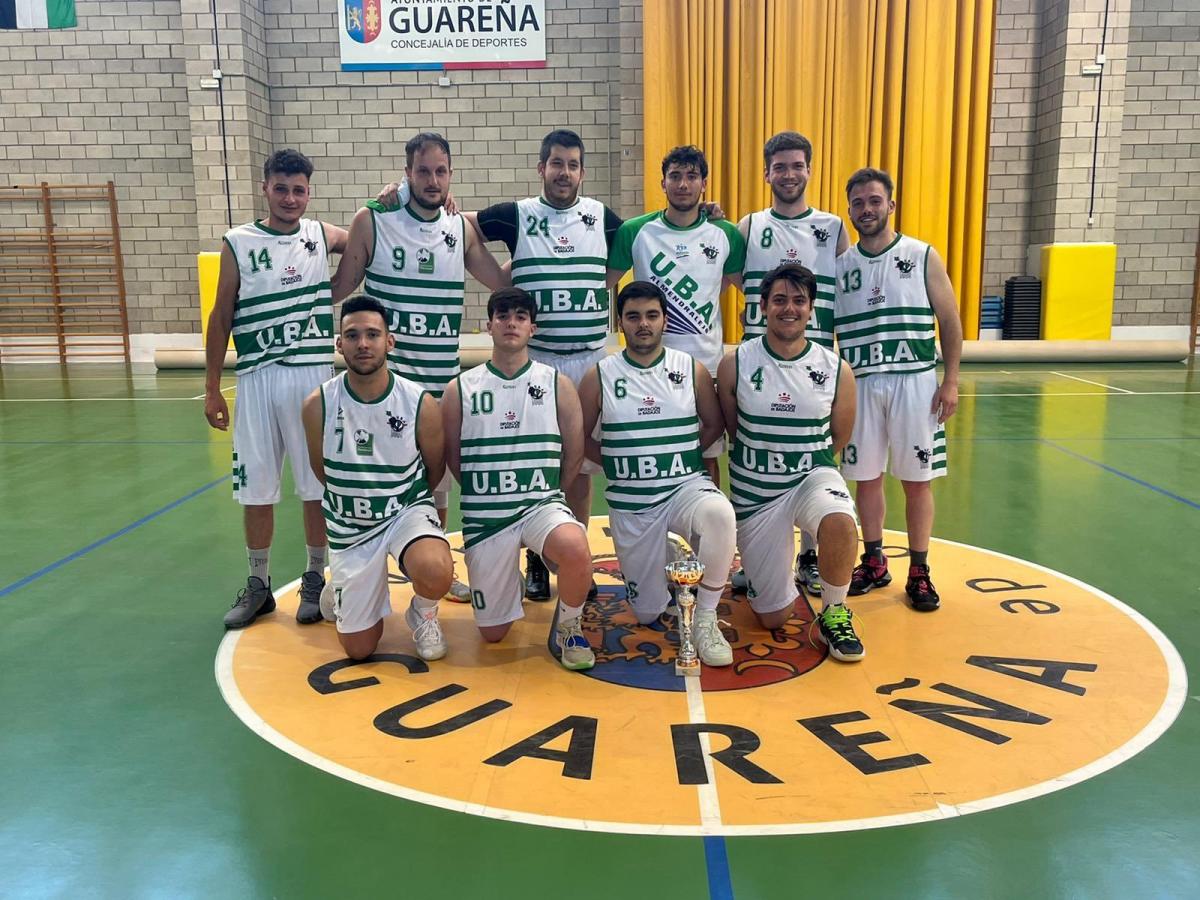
(375, 443)
(891, 288)
(559, 242)
(513, 436)
(273, 295)
(690, 258)
(790, 230)
(656, 408)
(789, 407)
(415, 257)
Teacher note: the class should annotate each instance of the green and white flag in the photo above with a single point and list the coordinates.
(37, 14)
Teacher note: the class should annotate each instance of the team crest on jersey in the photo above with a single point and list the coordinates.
(710, 252)
(311, 247)
(649, 407)
(791, 254)
(876, 297)
(818, 378)
(396, 423)
(783, 403)
(675, 378)
(290, 276)
(450, 240)
(425, 261)
(589, 220)
(364, 442)
(681, 251)
(510, 421)
(537, 392)
(923, 455)
(905, 266)
(820, 234)
(564, 245)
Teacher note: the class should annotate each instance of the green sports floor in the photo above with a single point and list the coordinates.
(124, 774)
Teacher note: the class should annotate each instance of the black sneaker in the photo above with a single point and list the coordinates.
(593, 592)
(254, 600)
(309, 610)
(837, 630)
(920, 590)
(868, 574)
(537, 578)
(808, 576)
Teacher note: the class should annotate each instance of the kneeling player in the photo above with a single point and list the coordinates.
(513, 438)
(656, 409)
(789, 407)
(375, 442)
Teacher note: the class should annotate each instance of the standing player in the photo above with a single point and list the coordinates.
(375, 442)
(559, 243)
(791, 231)
(789, 407)
(690, 258)
(415, 257)
(656, 409)
(891, 287)
(273, 294)
(513, 435)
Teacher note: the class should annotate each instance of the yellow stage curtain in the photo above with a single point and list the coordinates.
(903, 85)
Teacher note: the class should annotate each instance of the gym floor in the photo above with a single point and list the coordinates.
(125, 774)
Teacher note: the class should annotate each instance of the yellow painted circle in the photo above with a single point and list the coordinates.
(1026, 681)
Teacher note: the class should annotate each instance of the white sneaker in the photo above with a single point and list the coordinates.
(327, 611)
(427, 632)
(576, 651)
(711, 646)
(459, 592)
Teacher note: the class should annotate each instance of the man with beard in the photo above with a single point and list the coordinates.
(513, 436)
(890, 289)
(414, 257)
(375, 442)
(791, 231)
(273, 295)
(789, 408)
(559, 242)
(656, 409)
(690, 258)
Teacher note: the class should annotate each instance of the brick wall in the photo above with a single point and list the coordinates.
(1158, 203)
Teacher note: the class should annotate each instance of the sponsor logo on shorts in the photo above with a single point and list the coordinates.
(923, 455)
(841, 495)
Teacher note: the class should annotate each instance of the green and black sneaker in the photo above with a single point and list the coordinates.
(837, 630)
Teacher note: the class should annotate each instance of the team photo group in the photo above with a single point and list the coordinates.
(835, 383)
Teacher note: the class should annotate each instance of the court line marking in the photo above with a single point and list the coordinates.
(710, 801)
(1107, 468)
(1084, 394)
(716, 861)
(1168, 711)
(59, 563)
(1107, 387)
(92, 399)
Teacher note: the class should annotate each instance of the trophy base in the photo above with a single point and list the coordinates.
(691, 669)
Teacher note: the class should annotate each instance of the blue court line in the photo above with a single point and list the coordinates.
(57, 564)
(1107, 468)
(720, 887)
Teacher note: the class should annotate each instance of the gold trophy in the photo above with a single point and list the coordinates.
(685, 574)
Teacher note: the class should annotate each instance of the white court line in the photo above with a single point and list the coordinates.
(1086, 394)
(223, 390)
(710, 803)
(1107, 387)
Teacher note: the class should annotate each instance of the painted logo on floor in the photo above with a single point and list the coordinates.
(1026, 681)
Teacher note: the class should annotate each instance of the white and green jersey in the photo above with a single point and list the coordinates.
(418, 274)
(884, 321)
(373, 467)
(511, 448)
(284, 308)
(560, 259)
(649, 428)
(783, 411)
(688, 264)
(810, 239)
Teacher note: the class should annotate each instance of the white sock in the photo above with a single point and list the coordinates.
(318, 558)
(833, 594)
(808, 543)
(260, 563)
(423, 604)
(568, 613)
(707, 598)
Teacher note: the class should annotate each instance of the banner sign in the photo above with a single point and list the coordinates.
(442, 34)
